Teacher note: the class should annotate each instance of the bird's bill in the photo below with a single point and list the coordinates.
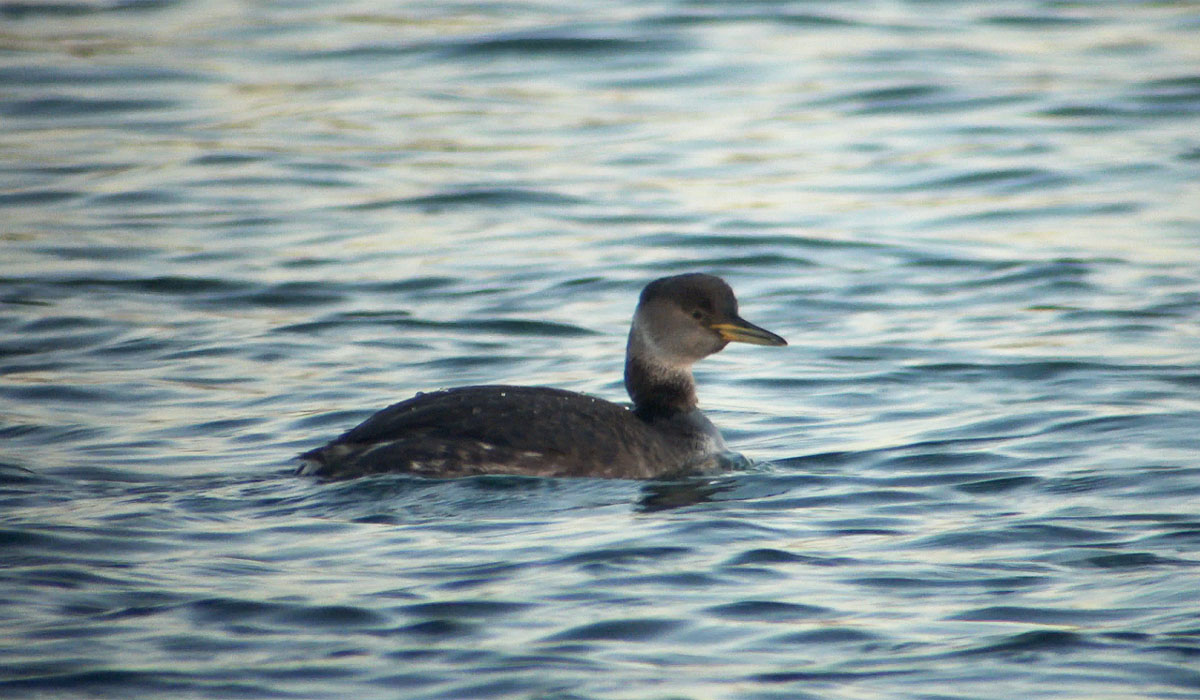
(742, 331)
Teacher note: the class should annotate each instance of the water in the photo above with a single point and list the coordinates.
(232, 230)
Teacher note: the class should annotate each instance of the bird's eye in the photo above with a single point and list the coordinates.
(697, 314)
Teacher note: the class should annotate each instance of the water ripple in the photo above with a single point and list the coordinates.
(234, 230)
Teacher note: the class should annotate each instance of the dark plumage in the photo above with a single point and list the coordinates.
(550, 432)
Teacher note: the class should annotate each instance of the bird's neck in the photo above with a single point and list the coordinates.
(658, 389)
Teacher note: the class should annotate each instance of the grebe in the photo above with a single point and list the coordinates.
(539, 431)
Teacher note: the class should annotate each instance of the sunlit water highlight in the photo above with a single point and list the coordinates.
(232, 230)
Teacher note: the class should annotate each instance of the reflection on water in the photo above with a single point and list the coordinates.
(233, 230)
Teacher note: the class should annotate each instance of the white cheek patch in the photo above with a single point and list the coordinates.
(655, 355)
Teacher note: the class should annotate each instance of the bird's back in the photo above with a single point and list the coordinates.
(506, 429)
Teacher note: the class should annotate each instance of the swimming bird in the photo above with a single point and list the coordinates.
(540, 431)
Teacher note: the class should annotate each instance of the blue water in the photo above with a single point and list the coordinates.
(232, 230)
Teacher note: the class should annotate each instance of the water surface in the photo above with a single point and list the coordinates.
(233, 230)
